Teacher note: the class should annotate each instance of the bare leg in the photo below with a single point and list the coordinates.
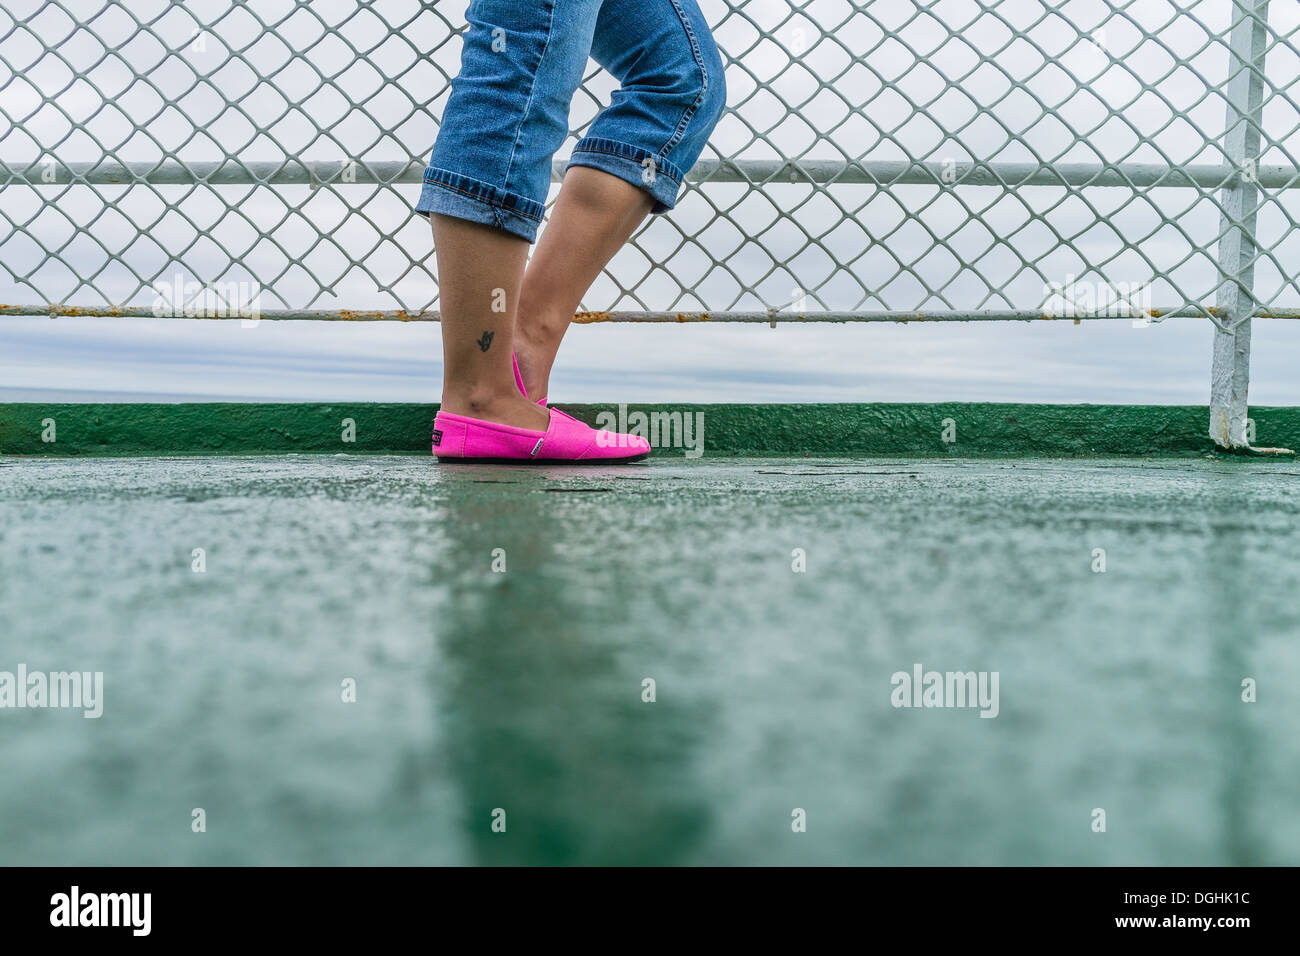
(594, 214)
(479, 273)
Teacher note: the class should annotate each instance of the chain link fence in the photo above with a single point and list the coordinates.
(880, 160)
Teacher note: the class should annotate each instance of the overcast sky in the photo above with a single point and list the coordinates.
(885, 82)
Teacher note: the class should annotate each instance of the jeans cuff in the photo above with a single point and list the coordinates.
(662, 179)
(452, 194)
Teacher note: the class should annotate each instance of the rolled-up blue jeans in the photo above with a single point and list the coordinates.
(508, 113)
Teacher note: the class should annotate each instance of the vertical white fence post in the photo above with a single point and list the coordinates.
(1230, 375)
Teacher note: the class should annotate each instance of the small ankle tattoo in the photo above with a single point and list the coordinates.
(485, 342)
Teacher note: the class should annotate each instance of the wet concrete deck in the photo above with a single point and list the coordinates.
(522, 690)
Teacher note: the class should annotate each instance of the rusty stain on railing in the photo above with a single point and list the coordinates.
(55, 310)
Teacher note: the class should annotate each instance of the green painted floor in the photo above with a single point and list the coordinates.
(522, 690)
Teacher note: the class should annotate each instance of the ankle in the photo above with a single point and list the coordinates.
(477, 401)
(535, 360)
(511, 409)
(540, 332)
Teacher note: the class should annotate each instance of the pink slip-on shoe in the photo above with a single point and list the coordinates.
(519, 380)
(458, 438)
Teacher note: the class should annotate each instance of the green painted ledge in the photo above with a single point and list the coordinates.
(874, 430)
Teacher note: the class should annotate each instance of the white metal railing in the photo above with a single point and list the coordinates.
(881, 160)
